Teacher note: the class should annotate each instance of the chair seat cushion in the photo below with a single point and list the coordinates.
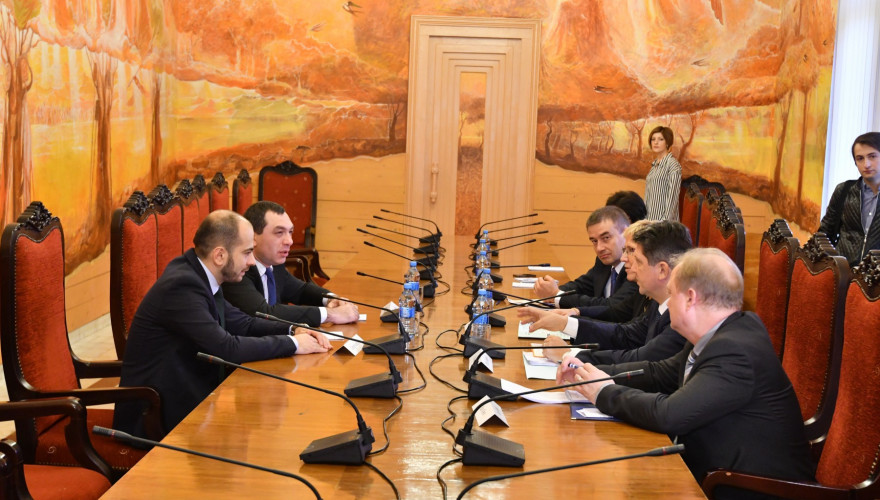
(68, 483)
(52, 448)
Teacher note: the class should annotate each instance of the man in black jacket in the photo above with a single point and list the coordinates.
(185, 313)
(725, 396)
(850, 222)
(605, 284)
(651, 251)
(288, 297)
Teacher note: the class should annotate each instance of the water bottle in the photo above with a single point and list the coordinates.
(484, 275)
(480, 328)
(409, 324)
(483, 246)
(412, 276)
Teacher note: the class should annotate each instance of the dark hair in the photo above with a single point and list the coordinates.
(631, 203)
(219, 229)
(871, 139)
(663, 241)
(612, 213)
(256, 214)
(667, 134)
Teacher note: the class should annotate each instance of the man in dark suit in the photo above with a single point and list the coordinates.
(725, 396)
(185, 313)
(651, 249)
(288, 297)
(605, 284)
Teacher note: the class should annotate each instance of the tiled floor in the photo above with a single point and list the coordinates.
(93, 342)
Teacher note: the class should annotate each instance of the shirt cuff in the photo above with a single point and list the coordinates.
(292, 338)
(557, 299)
(325, 300)
(571, 327)
(323, 311)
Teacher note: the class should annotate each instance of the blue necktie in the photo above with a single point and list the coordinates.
(613, 282)
(270, 285)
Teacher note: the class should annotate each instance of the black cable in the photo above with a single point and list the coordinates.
(440, 479)
(446, 347)
(424, 381)
(431, 370)
(386, 478)
(385, 428)
(444, 292)
(451, 416)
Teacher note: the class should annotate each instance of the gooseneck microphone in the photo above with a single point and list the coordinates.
(656, 452)
(471, 345)
(383, 385)
(431, 238)
(475, 245)
(482, 384)
(428, 290)
(432, 248)
(425, 274)
(347, 448)
(128, 438)
(480, 229)
(394, 344)
(482, 448)
(430, 256)
(436, 227)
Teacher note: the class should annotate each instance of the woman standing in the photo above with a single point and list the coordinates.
(664, 180)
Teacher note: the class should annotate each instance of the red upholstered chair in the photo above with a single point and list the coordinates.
(848, 463)
(218, 193)
(169, 222)
(814, 330)
(242, 192)
(25, 479)
(296, 189)
(37, 360)
(774, 280)
(728, 234)
(192, 216)
(200, 191)
(133, 262)
(710, 200)
(691, 205)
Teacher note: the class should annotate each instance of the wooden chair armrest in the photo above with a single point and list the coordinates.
(310, 237)
(76, 433)
(97, 369)
(91, 397)
(313, 261)
(778, 487)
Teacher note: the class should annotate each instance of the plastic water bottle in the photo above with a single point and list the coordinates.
(480, 328)
(412, 276)
(484, 275)
(483, 246)
(407, 314)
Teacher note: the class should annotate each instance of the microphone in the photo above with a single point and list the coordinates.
(437, 228)
(482, 448)
(425, 274)
(394, 344)
(129, 439)
(656, 452)
(482, 384)
(432, 248)
(494, 252)
(475, 245)
(430, 257)
(375, 386)
(471, 345)
(480, 229)
(347, 448)
(433, 238)
(428, 290)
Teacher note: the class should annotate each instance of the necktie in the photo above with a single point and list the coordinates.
(270, 286)
(613, 281)
(220, 303)
(688, 366)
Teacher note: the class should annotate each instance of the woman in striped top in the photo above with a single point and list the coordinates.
(664, 180)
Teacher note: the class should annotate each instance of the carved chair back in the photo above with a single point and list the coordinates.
(774, 280)
(169, 219)
(242, 192)
(218, 193)
(296, 189)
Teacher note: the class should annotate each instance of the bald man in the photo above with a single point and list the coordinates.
(185, 313)
(725, 396)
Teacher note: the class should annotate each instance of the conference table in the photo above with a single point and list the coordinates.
(268, 422)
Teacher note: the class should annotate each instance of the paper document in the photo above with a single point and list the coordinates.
(541, 333)
(546, 397)
(547, 269)
(520, 284)
(540, 372)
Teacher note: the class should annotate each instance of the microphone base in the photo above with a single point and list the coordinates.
(381, 385)
(427, 275)
(427, 250)
(430, 239)
(429, 289)
(472, 345)
(394, 344)
(482, 384)
(347, 448)
(387, 317)
(482, 448)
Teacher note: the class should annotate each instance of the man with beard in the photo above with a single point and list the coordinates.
(185, 313)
